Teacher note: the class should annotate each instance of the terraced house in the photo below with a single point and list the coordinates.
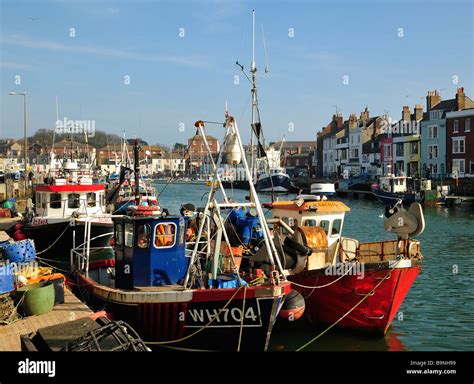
(460, 143)
(434, 133)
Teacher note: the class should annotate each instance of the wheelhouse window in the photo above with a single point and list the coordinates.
(182, 231)
(91, 199)
(129, 235)
(73, 200)
(118, 234)
(165, 235)
(336, 227)
(143, 238)
(310, 223)
(324, 224)
(55, 200)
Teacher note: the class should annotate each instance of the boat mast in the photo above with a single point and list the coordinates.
(136, 172)
(253, 71)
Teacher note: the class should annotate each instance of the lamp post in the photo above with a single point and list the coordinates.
(25, 131)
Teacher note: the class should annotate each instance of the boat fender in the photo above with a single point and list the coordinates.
(293, 307)
(19, 235)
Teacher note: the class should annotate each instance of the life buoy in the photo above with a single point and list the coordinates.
(145, 210)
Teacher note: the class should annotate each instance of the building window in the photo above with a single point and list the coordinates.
(414, 147)
(165, 235)
(433, 132)
(432, 151)
(458, 165)
(455, 126)
(55, 200)
(458, 145)
(73, 200)
(400, 151)
(471, 171)
(467, 125)
(386, 149)
(435, 168)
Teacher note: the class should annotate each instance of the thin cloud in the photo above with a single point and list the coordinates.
(19, 66)
(53, 46)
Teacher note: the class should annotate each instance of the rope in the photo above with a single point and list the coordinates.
(346, 314)
(242, 319)
(52, 245)
(200, 329)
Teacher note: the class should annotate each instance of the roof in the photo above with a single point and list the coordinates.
(198, 137)
(312, 206)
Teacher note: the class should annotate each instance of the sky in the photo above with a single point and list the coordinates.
(152, 68)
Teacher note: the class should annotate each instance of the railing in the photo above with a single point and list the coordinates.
(82, 252)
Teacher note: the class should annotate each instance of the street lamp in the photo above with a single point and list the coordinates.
(24, 127)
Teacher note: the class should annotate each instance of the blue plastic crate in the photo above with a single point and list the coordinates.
(7, 278)
(20, 251)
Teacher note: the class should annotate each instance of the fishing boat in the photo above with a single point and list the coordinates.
(122, 191)
(126, 196)
(345, 282)
(62, 205)
(393, 188)
(176, 278)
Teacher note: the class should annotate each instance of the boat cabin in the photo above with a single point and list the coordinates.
(150, 251)
(316, 217)
(393, 184)
(63, 200)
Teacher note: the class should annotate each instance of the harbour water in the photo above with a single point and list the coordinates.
(438, 312)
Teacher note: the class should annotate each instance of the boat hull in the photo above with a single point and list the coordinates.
(274, 183)
(62, 235)
(329, 304)
(391, 198)
(176, 315)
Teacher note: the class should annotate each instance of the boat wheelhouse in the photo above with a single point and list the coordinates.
(68, 199)
(392, 188)
(360, 285)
